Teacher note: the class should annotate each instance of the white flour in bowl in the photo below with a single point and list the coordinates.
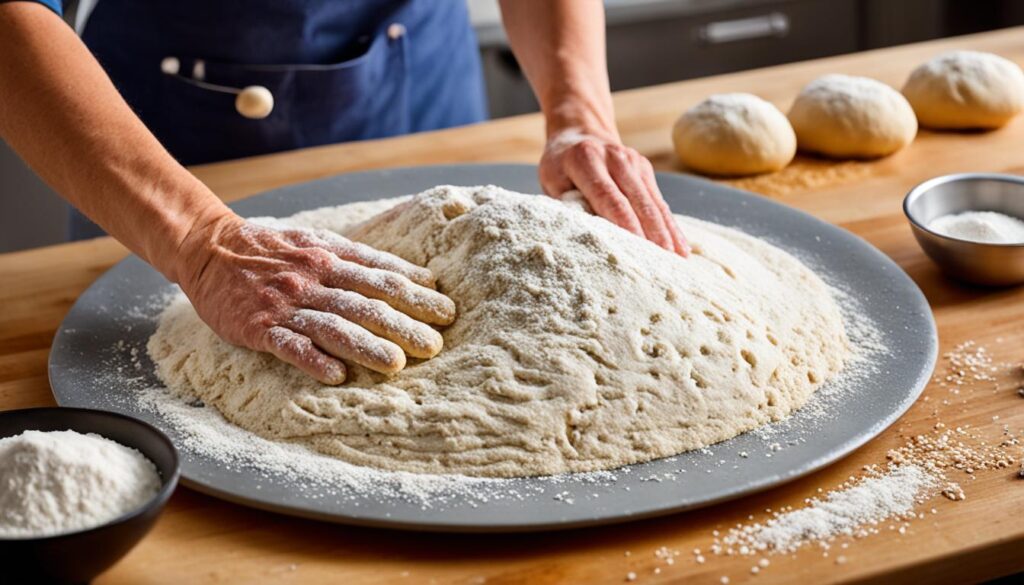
(63, 481)
(980, 226)
(579, 346)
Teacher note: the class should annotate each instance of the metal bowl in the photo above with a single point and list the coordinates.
(975, 262)
(77, 557)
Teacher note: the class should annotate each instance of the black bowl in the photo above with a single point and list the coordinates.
(77, 557)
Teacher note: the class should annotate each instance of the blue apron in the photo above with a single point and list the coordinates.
(339, 70)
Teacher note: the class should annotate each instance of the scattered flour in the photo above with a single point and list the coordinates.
(967, 364)
(806, 174)
(980, 226)
(578, 347)
(922, 468)
(882, 497)
(927, 465)
(848, 511)
(63, 481)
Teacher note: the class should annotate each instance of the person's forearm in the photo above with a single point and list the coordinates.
(560, 46)
(62, 115)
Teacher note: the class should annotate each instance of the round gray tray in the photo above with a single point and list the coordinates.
(83, 374)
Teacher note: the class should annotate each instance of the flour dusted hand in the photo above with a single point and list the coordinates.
(616, 181)
(312, 298)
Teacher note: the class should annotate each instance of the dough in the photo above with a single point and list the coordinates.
(851, 117)
(578, 345)
(734, 134)
(966, 89)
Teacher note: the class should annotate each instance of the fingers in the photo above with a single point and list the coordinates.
(348, 341)
(299, 351)
(554, 182)
(415, 338)
(418, 302)
(624, 171)
(619, 185)
(679, 243)
(574, 199)
(366, 255)
(589, 173)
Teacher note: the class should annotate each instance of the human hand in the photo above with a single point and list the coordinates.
(616, 181)
(311, 297)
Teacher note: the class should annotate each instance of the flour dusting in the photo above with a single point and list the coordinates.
(578, 347)
(851, 511)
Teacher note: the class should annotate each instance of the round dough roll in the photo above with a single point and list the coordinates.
(734, 134)
(966, 89)
(841, 116)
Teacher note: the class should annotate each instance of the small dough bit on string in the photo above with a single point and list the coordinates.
(254, 102)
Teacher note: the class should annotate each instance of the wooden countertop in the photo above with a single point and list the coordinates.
(203, 540)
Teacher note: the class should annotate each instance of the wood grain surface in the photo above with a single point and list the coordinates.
(202, 540)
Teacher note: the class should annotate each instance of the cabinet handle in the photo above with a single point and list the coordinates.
(775, 24)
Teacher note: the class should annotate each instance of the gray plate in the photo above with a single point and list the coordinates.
(82, 373)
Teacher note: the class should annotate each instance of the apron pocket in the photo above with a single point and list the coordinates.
(364, 97)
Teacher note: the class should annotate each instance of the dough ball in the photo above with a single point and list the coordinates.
(734, 134)
(851, 117)
(966, 89)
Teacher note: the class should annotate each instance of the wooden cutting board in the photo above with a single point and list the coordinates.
(203, 540)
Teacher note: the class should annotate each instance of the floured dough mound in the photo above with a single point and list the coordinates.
(578, 345)
(966, 89)
(842, 116)
(734, 134)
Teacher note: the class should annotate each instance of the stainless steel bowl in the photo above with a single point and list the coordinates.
(976, 262)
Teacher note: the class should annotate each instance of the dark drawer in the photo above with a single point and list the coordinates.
(650, 51)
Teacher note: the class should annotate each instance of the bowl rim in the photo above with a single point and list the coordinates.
(923, 187)
(167, 487)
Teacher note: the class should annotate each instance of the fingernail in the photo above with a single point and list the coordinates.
(335, 375)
